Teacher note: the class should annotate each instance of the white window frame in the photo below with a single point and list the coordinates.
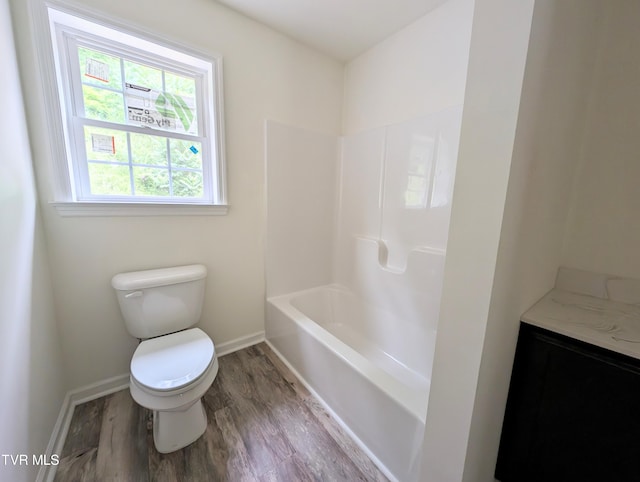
(67, 24)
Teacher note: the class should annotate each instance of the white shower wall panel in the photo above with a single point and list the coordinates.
(412, 295)
(396, 185)
(419, 168)
(301, 194)
(361, 163)
(358, 212)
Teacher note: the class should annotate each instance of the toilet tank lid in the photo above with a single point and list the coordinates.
(136, 280)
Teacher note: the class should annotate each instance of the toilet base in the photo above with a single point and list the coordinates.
(173, 430)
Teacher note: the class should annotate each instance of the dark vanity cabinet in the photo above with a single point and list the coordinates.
(573, 413)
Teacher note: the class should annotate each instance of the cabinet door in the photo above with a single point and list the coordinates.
(573, 413)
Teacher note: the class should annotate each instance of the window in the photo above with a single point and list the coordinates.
(141, 119)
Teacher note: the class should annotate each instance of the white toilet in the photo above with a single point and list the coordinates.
(175, 364)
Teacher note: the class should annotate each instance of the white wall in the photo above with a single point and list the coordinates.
(603, 234)
(499, 44)
(32, 384)
(267, 75)
(546, 155)
(419, 70)
(571, 199)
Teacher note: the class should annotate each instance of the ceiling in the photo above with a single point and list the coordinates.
(341, 28)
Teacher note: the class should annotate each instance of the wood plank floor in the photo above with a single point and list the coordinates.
(263, 426)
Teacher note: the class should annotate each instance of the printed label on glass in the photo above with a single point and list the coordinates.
(102, 143)
(160, 110)
(96, 70)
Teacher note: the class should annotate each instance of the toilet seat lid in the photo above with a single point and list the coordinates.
(172, 361)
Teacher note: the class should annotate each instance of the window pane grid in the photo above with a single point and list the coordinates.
(141, 130)
(102, 87)
(131, 183)
(172, 67)
(117, 156)
(124, 104)
(154, 166)
(168, 145)
(132, 53)
(142, 93)
(146, 179)
(143, 179)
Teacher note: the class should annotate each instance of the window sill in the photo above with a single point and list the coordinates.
(69, 209)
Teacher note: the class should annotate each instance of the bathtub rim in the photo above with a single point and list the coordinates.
(413, 401)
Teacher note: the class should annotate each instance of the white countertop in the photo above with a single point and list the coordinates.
(608, 324)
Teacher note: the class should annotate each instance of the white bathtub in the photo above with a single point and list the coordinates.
(370, 368)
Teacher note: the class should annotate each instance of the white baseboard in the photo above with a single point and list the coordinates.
(105, 387)
(71, 400)
(99, 389)
(240, 343)
(56, 442)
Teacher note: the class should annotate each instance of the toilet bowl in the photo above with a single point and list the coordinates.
(170, 370)
(169, 375)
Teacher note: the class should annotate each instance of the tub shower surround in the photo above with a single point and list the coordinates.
(356, 240)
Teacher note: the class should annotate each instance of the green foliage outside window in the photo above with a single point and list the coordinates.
(150, 165)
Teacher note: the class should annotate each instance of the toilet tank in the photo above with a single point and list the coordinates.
(160, 301)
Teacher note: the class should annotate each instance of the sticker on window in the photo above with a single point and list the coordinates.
(102, 143)
(96, 70)
(160, 110)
